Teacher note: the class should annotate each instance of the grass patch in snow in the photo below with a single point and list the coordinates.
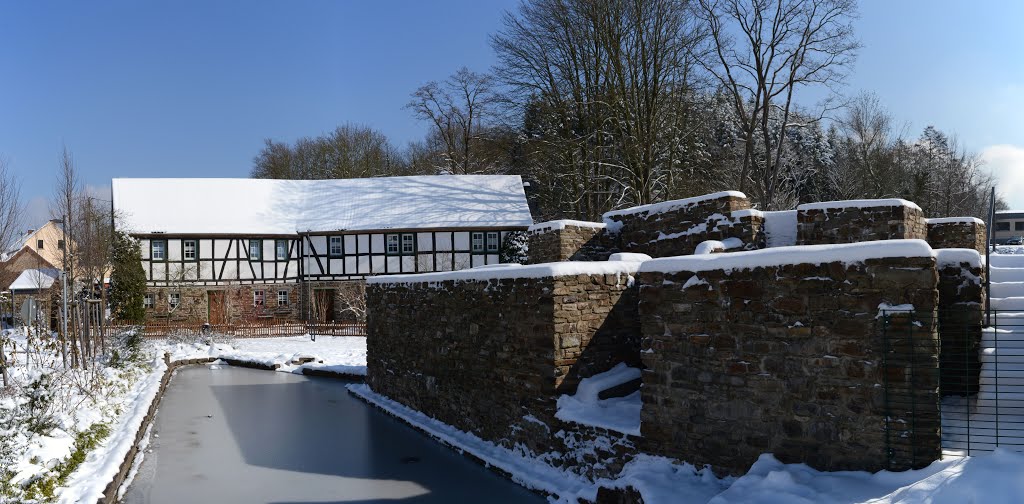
(85, 441)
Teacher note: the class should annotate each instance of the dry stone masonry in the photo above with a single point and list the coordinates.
(957, 232)
(568, 240)
(676, 227)
(782, 352)
(962, 304)
(859, 221)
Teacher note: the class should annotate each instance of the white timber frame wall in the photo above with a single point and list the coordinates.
(203, 260)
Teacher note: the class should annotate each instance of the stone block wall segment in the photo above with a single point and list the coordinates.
(491, 356)
(961, 317)
(676, 227)
(858, 221)
(787, 358)
(957, 232)
(568, 240)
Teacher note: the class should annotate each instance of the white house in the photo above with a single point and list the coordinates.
(235, 249)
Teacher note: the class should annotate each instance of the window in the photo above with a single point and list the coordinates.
(281, 249)
(158, 250)
(478, 242)
(255, 250)
(257, 298)
(147, 301)
(1002, 226)
(1018, 226)
(60, 244)
(189, 250)
(174, 299)
(335, 248)
(408, 244)
(39, 244)
(392, 241)
(282, 298)
(492, 241)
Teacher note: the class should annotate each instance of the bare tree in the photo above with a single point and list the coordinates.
(10, 205)
(352, 301)
(761, 52)
(66, 197)
(460, 111)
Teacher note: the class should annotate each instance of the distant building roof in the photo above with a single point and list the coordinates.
(1010, 214)
(268, 207)
(35, 279)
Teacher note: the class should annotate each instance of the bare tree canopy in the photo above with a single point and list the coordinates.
(11, 206)
(760, 52)
(350, 151)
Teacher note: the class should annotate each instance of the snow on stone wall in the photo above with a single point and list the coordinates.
(859, 220)
(957, 232)
(768, 352)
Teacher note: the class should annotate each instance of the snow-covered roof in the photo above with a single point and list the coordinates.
(269, 207)
(865, 203)
(35, 279)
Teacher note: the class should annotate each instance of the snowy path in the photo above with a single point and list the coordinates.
(238, 435)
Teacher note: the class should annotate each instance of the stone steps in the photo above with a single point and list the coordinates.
(1007, 289)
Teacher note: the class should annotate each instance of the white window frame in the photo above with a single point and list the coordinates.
(147, 301)
(393, 244)
(259, 298)
(282, 298)
(173, 300)
(255, 250)
(476, 241)
(495, 244)
(408, 243)
(334, 246)
(281, 249)
(153, 247)
(185, 251)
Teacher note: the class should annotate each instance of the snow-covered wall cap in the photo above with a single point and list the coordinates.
(558, 225)
(867, 203)
(804, 254)
(955, 220)
(277, 207)
(712, 246)
(667, 206)
(750, 212)
(629, 257)
(958, 256)
(546, 270)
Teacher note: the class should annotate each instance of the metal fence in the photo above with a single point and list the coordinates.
(979, 376)
(246, 330)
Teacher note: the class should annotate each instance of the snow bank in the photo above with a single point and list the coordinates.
(668, 206)
(780, 228)
(993, 478)
(546, 270)
(805, 254)
(712, 246)
(955, 220)
(558, 225)
(336, 354)
(620, 414)
(865, 203)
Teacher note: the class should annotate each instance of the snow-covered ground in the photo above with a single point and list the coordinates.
(990, 478)
(64, 432)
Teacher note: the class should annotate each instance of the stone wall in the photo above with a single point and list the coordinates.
(492, 355)
(957, 232)
(961, 316)
(859, 221)
(676, 227)
(569, 241)
(781, 351)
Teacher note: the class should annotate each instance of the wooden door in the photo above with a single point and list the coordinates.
(215, 307)
(323, 305)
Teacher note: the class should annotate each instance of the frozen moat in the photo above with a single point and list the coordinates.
(241, 435)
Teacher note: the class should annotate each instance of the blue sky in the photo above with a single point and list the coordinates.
(191, 88)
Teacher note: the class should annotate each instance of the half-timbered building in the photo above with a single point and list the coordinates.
(226, 250)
